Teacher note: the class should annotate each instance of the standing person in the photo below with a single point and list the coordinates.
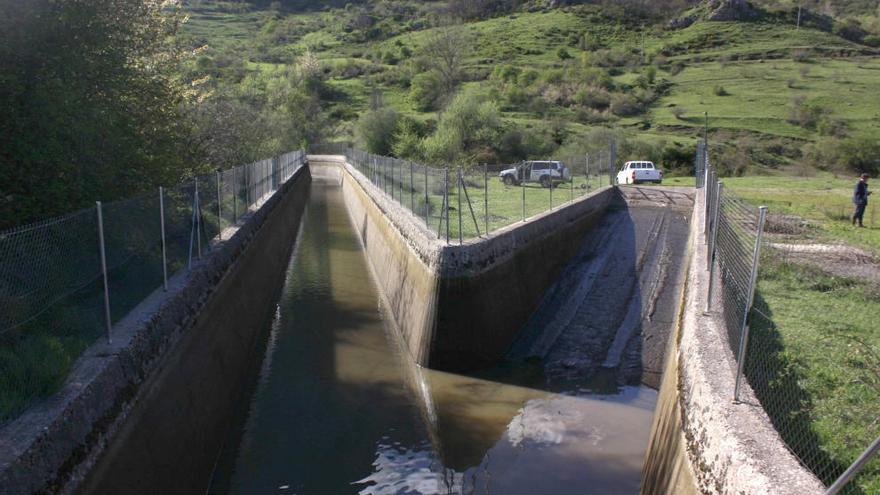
(860, 199)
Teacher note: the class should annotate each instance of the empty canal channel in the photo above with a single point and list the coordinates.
(336, 403)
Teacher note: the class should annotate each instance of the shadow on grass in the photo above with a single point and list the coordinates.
(775, 377)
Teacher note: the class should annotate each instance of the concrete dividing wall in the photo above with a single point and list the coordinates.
(460, 307)
(703, 442)
(149, 413)
(489, 288)
(401, 255)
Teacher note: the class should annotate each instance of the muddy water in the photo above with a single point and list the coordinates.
(338, 408)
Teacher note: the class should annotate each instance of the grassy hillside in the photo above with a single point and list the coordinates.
(751, 77)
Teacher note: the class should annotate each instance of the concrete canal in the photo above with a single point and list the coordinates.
(339, 406)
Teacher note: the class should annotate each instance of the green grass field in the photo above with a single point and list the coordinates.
(824, 350)
(825, 201)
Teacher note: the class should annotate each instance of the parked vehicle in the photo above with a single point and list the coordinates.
(639, 171)
(547, 173)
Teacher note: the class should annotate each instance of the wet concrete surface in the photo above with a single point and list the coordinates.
(339, 407)
(611, 312)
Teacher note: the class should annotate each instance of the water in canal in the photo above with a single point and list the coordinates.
(339, 409)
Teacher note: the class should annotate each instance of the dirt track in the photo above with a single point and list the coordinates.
(614, 307)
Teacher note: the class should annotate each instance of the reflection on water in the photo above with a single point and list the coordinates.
(339, 409)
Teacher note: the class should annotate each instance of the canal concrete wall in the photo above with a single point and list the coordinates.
(153, 406)
(459, 307)
(701, 440)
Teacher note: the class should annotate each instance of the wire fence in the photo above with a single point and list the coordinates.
(52, 273)
(736, 248)
(463, 202)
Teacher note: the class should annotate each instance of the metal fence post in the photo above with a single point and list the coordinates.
(446, 199)
(412, 190)
(854, 469)
(522, 186)
(551, 190)
(198, 212)
(612, 158)
(587, 170)
(162, 227)
(219, 209)
(101, 248)
(460, 236)
(744, 339)
(427, 199)
(234, 197)
(710, 200)
(486, 195)
(713, 248)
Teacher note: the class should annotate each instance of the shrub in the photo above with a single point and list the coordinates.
(720, 91)
(860, 154)
(507, 73)
(593, 97)
(677, 68)
(426, 90)
(516, 97)
(408, 140)
(529, 77)
(563, 54)
(679, 112)
(806, 114)
(591, 116)
(801, 55)
(389, 58)
(625, 105)
(376, 129)
(831, 127)
(468, 124)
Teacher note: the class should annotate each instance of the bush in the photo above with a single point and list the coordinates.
(720, 91)
(529, 77)
(507, 73)
(592, 97)
(377, 128)
(860, 154)
(516, 97)
(408, 140)
(806, 114)
(426, 90)
(591, 116)
(468, 124)
(679, 112)
(801, 55)
(625, 105)
(563, 54)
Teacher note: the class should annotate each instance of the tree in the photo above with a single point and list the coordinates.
(468, 124)
(426, 90)
(444, 51)
(376, 129)
(90, 104)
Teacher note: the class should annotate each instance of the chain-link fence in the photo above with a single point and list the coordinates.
(65, 281)
(462, 202)
(736, 248)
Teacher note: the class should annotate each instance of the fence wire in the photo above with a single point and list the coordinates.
(50, 272)
(461, 202)
(768, 364)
